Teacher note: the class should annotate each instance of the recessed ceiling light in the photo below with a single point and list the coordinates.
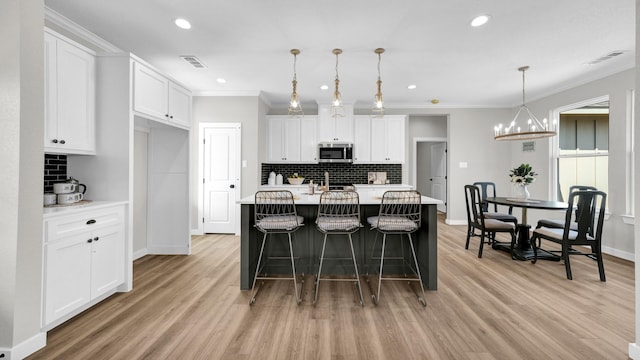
(480, 20)
(411, 87)
(221, 81)
(324, 87)
(183, 24)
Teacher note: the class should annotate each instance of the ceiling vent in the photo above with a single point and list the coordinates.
(610, 55)
(194, 61)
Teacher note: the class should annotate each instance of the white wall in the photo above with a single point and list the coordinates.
(250, 112)
(21, 161)
(617, 236)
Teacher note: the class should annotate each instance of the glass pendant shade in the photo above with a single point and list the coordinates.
(377, 110)
(295, 108)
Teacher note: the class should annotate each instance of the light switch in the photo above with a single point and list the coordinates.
(463, 165)
(244, 163)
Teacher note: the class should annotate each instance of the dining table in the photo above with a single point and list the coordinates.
(523, 249)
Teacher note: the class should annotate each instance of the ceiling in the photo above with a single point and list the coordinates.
(428, 44)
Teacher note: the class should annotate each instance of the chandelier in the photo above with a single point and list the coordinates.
(534, 129)
(295, 108)
(377, 110)
(336, 103)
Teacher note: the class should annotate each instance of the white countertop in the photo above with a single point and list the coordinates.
(366, 198)
(52, 211)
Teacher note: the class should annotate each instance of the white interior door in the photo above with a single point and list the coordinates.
(221, 178)
(439, 174)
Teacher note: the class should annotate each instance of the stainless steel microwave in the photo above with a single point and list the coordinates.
(335, 152)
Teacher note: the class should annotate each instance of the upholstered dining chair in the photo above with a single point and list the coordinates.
(400, 214)
(487, 226)
(559, 223)
(275, 213)
(589, 205)
(338, 214)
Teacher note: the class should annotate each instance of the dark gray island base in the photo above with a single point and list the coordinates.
(307, 245)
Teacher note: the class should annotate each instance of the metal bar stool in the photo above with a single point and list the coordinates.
(275, 213)
(400, 214)
(338, 214)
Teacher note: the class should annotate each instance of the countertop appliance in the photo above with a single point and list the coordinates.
(335, 153)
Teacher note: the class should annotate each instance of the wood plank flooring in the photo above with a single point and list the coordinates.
(190, 307)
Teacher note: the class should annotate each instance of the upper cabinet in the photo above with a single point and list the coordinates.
(157, 97)
(388, 139)
(362, 139)
(70, 83)
(335, 129)
(291, 139)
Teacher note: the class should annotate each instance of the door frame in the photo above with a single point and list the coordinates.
(200, 198)
(414, 175)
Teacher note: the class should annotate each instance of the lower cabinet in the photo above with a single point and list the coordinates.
(84, 260)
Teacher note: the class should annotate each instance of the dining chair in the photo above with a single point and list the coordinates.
(275, 213)
(488, 189)
(338, 214)
(400, 214)
(559, 223)
(589, 205)
(487, 226)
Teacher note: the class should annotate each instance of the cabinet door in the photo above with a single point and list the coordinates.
(275, 140)
(67, 275)
(107, 260)
(344, 129)
(362, 139)
(69, 98)
(308, 142)
(395, 139)
(378, 140)
(291, 139)
(150, 91)
(179, 105)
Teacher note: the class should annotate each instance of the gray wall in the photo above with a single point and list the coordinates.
(21, 161)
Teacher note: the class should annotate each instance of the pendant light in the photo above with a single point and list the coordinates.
(337, 110)
(534, 129)
(295, 108)
(377, 110)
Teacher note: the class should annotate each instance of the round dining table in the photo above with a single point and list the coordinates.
(523, 249)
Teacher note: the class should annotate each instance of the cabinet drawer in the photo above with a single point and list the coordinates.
(73, 224)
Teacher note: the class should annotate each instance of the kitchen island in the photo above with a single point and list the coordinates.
(308, 241)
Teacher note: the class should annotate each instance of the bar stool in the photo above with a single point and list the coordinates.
(338, 214)
(275, 213)
(400, 214)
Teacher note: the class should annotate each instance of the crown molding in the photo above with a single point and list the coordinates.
(68, 25)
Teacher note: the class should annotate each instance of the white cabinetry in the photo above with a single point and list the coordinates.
(388, 139)
(335, 129)
(159, 98)
(291, 139)
(70, 83)
(362, 139)
(84, 260)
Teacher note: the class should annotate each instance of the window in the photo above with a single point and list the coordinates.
(583, 147)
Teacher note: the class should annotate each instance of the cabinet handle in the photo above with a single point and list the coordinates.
(90, 240)
(55, 141)
(62, 141)
(166, 115)
(171, 117)
(96, 238)
(92, 221)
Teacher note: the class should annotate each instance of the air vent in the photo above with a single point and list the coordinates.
(606, 57)
(194, 61)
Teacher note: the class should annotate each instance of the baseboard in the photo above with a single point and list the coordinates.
(634, 351)
(25, 348)
(140, 253)
(619, 253)
(455, 222)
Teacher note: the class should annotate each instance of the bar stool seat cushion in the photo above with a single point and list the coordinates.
(285, 222)
(392, 223)
(338, 223)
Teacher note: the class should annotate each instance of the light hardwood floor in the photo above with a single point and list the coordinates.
(190, 307)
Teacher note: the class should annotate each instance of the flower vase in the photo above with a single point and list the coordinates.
(525, 192)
